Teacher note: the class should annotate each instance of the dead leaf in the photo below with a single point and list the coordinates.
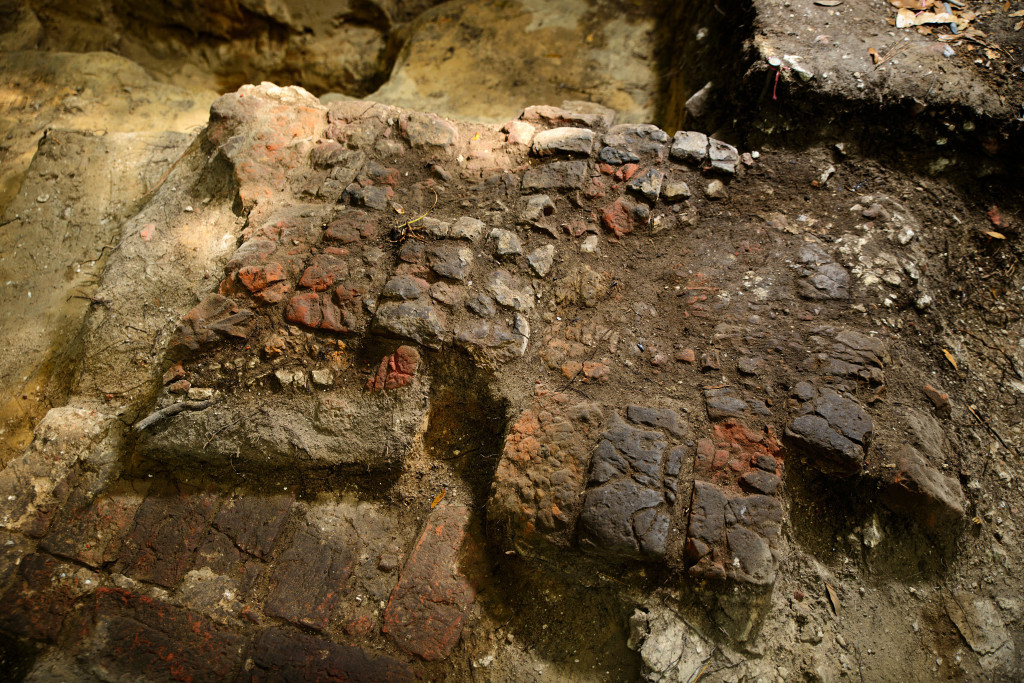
(996, 235)
(916, 5)
(438, 498)
(1018, 26)
(991, 54)
(1018, 13)
(875, 57)
(905, 18)
(834, 599)
(952, 361)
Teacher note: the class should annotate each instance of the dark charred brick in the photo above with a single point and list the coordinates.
(618, 156)
(91, 531)
(168, 528)
(558, 175)
(296, 658)
(760, 482)
(253, 522)
(663, 418)
(766, 463)
(427, 609)
(833, 433)
(732, 536)
(40, 598)
(222, 556)
(143, 638)
(624, 513)
(310, 577)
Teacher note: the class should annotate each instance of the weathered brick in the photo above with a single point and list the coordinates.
(41, 597)
(278, 656)
(310, 576)
(137, 637)
(427, 609)
(91, 531)
(168, 528)
(253, 522)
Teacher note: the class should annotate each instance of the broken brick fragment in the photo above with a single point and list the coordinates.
(304, 309)
(623, 216)
(396, 370)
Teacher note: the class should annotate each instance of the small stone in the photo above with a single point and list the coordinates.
(939, 399)
(434, 227)
(749, 366)
(716, 190)
(563, 140)
(519, 132)
(467, 228)
(482, 305)
(291, 378)
(427, 130)
(446, 293)
(676, 191)
(180, 387)
(200, 394)
(404, 287)
(504, 289)
(616, 156)
(686, 356)
(322, 377)
(648, 185)
(537, 207)
(448, 260)
(689, 146)
(875, 211)
(541, 259)
(724, 158)
(507, 242)
(589, 245)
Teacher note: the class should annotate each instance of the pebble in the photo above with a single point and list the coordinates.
(676, 191)
(322, 377)
(716, 190)
(541, 259)
(507, 242)
(589, 245)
